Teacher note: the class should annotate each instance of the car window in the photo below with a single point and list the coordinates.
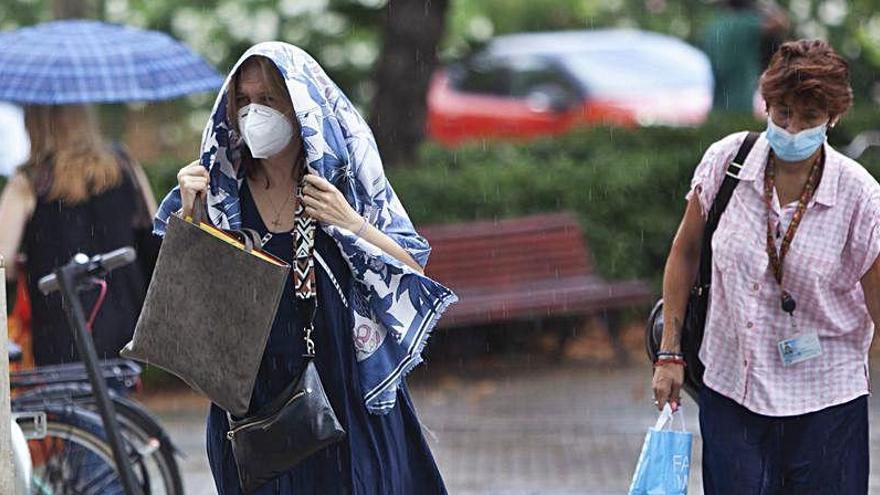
(528, 76)
(484, 76)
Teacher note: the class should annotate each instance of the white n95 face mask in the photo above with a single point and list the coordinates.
(266, 131)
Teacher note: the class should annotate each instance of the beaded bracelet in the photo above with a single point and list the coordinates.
(664, 361)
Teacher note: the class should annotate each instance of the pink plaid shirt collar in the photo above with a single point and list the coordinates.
(753, 172)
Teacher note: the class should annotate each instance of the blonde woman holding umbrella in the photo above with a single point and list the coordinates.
(76, 193)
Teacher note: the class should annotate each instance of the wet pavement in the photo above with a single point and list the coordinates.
(525, 429)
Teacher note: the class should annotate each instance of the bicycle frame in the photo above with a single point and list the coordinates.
(69, 277)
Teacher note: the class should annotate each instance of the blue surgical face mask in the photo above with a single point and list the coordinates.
(795, 147)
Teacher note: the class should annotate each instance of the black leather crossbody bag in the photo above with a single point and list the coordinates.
(300, 421)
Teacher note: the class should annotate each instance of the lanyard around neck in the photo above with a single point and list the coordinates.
(777, 259)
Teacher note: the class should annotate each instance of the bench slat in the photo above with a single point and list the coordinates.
(485, 259)
(522, 268)
(502, 270)
(573, 297)
(501, 228)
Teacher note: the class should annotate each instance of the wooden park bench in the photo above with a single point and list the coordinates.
(527, 269)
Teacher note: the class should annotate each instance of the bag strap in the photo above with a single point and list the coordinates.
(731, 180)
(249, 237)
(666, 419)
(199, 213)
(304, 268)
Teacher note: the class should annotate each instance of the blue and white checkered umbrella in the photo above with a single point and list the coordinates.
(80, 61)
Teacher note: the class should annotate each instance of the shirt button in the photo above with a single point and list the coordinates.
(756, 287)
(749, 325)
(745, 362)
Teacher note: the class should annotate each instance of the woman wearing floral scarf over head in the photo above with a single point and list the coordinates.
(280, 123)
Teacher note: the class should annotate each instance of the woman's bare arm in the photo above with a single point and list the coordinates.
(681, 270)
(379, 239)
(17, 204)
(325, 203)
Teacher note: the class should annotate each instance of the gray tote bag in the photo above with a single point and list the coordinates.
(209, 310)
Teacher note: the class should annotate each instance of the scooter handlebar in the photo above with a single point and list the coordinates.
(96, 265)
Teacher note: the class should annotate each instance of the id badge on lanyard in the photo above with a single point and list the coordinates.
(796, 345)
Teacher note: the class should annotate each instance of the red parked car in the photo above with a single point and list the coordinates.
(536, 84)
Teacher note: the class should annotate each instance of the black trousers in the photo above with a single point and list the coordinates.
(824, 452)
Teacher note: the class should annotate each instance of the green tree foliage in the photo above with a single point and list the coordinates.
(345, 34)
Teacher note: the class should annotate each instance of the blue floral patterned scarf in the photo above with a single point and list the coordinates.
(395, 308)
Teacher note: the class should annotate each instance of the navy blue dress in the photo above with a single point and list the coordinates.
(380, 455)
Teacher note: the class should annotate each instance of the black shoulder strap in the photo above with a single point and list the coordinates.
(731, 179)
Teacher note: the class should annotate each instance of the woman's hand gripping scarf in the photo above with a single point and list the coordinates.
(395, 308)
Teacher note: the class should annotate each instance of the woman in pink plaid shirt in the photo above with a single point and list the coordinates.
(795, 294)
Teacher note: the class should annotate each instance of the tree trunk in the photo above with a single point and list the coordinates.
(72, 9)
(412, 34)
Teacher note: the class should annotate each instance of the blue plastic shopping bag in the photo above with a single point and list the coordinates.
(664, 464)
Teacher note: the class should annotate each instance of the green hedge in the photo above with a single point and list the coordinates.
(627, 186)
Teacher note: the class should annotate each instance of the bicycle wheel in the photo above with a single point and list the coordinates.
(152, 445)
(73, 458)
(149, 444)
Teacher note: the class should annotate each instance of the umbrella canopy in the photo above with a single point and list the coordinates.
(81, 61)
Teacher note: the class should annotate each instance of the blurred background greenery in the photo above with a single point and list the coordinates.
(346, 35)
(627, 185)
